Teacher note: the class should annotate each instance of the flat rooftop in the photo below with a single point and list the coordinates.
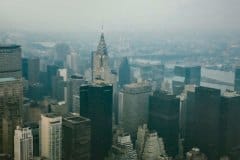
(8, 79)
(76, 119)
(230, 94)
(9, 46)
(137, 88)
(51, 115)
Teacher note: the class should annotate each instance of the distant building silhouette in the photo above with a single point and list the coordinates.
(31, 69)
(185, 75)
(124, 73)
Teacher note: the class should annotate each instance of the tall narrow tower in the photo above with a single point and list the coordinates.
(100, 68)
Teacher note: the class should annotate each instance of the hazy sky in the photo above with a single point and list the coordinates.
(119, 15)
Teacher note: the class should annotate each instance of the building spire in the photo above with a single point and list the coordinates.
(102, 48)
(102, 29)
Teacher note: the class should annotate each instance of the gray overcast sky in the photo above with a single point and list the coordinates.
(119, 15)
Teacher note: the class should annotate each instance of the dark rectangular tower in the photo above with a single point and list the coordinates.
(76, 137)
(202, 121)
(164, 118)
(96, 104)
(237, 79)
(229, 125)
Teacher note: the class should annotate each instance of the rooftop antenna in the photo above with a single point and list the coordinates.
(102, 28)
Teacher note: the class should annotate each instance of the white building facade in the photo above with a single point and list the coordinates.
(23, 144)
(51, 136)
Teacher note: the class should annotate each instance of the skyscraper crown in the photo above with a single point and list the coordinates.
(102, 48)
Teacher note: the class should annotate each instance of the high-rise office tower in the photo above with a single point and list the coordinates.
(229, 124)
(62, 50)
(76, 137)
(237, 79)
(96, 104)
(51, 73)
(59, 88)
(31, 69)
(164, 118)
(34, 127)
(185, 75)
(202, 121)
(149, 145)
(10, 61)
(73, 98)
(23, 144)
(133, 106)
(25, 68)
(124, 73)
(73, 63)
(11, 94)
(153, 73)
(51, 136)
(100, 62)
(63, 73)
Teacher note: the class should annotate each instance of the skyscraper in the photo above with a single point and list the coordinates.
(23, 144)
(51, 72)
(164, 118)
(76, 138)
(229, 124)
(31, 69)
(133, 106)
(185, 75)
(202, 121)
(73, 98)
(10, 61)
(34, 127)
(51, 136)
(100, 62)
(124, 73)
(237, 79)
(153, 73)
(11, 93)
(96, 104)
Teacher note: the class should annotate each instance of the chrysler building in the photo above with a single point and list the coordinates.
(100, 66)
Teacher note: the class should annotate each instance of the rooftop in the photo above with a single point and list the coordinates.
(9, 46)
(230, 94)
(51, 115)
(76, 119)
(8, 79)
